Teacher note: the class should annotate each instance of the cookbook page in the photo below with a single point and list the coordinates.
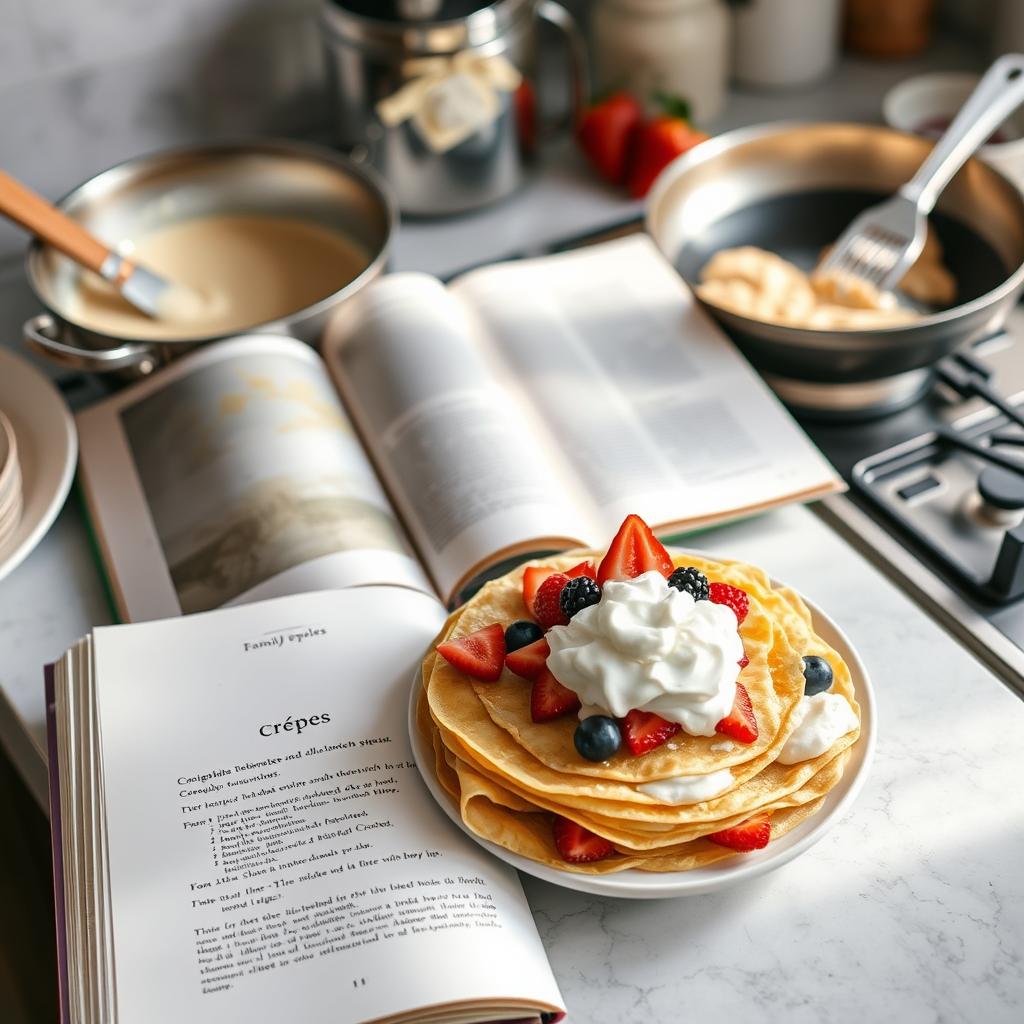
(463, 456)
(650, 404)
(235, 475)
(273, 852)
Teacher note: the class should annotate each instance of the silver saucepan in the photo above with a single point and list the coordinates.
(792, 189)
(279, 178)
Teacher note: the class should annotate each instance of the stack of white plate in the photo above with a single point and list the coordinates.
(38, 450)
(10, 482)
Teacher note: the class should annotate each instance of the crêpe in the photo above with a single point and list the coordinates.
(510, 776)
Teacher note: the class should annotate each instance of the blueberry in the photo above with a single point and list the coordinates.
(522, 633)
(597, 738)
(817, 675)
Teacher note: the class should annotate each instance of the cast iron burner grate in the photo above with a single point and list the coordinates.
(958, 490)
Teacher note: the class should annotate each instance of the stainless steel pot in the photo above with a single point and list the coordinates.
(792, 188)
(280, 178)
(400, 66)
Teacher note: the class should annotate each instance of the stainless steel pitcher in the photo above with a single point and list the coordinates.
(442, 96)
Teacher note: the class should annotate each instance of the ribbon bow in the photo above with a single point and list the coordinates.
(450, 98)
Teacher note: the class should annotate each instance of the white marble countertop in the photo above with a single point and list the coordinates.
(911, 909)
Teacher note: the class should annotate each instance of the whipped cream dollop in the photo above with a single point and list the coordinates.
(648, 646)
(688, 789)
(821, 720)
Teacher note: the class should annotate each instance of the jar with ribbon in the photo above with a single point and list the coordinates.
(442, 96)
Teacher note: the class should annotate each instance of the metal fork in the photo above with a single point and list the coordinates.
(884, 241)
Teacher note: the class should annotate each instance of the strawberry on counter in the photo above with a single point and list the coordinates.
(658, 142)
(606, 133)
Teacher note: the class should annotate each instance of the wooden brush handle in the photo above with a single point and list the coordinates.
(45, 221)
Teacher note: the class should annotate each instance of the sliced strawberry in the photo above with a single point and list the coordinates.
(529, 661)
(740, 723)
(735, 598)
(547, 606)
(643, 731)
(535, 575)
(743, 662)
(480, 654)
(752, 834)
(583, 569)
(634, 550)
(578, 845)
(550, 699)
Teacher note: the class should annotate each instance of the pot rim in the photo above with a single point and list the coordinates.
(424, 38)
(810, 337)
(110, 178)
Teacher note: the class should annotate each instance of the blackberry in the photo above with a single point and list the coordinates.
(691, 580)
(577, 594)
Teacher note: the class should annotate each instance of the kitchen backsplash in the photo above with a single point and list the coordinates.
(86, 83)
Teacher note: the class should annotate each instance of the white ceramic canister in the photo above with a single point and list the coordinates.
(673, 46)
(784, 43)
(932, 100)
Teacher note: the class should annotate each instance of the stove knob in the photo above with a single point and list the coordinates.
(1001, 489)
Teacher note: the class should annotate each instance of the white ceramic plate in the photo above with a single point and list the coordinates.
(632, 884)
(47, 453)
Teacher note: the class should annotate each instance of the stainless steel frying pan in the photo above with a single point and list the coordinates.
(793, 188)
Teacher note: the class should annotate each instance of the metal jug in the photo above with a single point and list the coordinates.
(442, 97)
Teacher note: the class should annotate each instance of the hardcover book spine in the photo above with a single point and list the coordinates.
(56, 839)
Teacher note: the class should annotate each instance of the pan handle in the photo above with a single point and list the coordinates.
(41, 333)
(999, 93)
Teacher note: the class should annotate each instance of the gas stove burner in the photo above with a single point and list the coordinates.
(851, 402)
(958, 491)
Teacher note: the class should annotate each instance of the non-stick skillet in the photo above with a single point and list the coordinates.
(793, 188)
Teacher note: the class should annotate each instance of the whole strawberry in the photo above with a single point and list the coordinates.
(606, 132)
(658, 142)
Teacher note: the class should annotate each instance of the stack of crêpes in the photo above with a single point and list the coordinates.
(10, 482)
(687, 801)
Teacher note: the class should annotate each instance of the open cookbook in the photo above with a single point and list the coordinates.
(241, 834)
(443, 433)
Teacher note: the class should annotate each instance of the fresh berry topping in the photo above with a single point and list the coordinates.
(606, 131)
(480, 654)
(521, 634)
(597, 738)
(643, 731)
(741, 723)
(736, 599)
(529, 661)
(817, 675)
(633, 551)
(752, 834)
(743, 662)
(547, 606)
(550, 699)
(535, 575)
(578, 845)
(578, 594)
(690, 580)
(583, 569)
